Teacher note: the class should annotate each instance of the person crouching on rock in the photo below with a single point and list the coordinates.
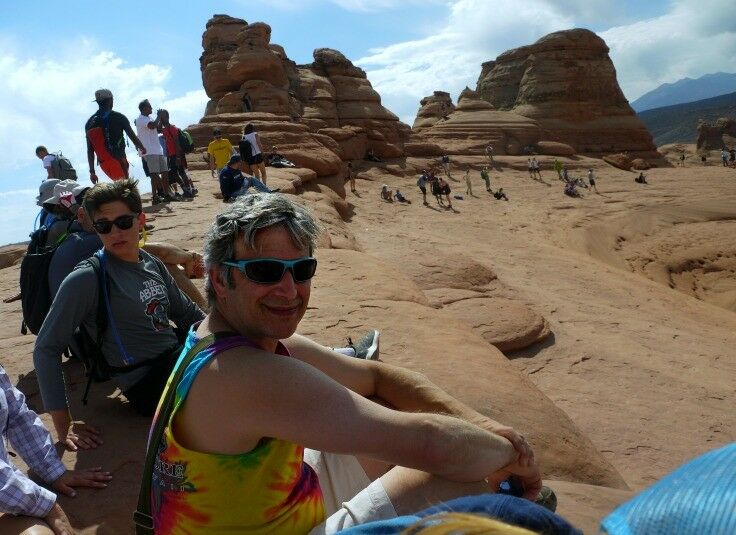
(233, 183)
(500, 195)
(641, 179)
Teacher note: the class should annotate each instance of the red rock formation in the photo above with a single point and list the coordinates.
(323, 112)
(567, 83)
(715, 136)
(433, 108)
(474, 124)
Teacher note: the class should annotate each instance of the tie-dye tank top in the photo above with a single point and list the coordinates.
(269, 489)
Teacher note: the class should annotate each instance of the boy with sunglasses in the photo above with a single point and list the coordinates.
(139, 341)
(232, 453)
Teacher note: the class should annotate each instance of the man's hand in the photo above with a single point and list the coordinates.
(522, 447)
(529, 477)
(82, 435)
(58, 521)
(89, 477)
(93, 177)
(142, 149)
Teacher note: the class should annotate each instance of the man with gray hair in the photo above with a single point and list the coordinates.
(232, 452)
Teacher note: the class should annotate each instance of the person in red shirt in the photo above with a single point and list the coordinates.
(176, 158)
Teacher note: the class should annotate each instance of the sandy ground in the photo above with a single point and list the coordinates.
(637, 285)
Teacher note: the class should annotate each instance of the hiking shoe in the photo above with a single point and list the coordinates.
(547, 499)
(155, 200)
(367, 347)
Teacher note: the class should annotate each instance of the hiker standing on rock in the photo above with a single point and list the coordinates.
(252, 153)
(557, 165)
(422, 184)
(219, 151)
(486, 178)
(489, 153)
(158, 167)
(591, 181)
(468, 183)
(104, 131)
(56, 165)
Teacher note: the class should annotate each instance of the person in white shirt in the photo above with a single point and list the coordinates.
(148, 130)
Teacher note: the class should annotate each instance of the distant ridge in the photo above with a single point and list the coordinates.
(687, 90)
(679, 123)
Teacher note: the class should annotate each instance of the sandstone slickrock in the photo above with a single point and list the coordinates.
(715, 136)
(472, 125)
(251, 80)
(566, 81)
(504, 323)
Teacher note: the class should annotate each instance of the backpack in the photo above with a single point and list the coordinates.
(63, 168)
(99, 138)
(35, 293)
(246, 150)
(185, 141)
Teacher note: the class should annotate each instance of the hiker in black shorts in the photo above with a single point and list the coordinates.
(112, 124)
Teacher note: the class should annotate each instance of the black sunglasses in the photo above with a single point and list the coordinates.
(271, 270)
(123, 222)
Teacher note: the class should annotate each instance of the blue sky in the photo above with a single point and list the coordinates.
(56, 54)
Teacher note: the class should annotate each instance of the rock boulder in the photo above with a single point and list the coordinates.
(715, 136)
(471, 126)
(566, 82)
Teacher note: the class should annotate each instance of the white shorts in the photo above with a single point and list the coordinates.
(156, 163)
(350, 497)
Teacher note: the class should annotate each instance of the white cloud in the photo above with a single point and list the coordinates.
(689, 39)
(47, 101)
(693, 39)
(450, 59)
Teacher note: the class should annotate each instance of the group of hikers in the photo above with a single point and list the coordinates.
(229, 377)
(225, 374)
(253, 427)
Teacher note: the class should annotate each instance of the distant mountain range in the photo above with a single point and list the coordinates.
(679, 123)
(686, 90)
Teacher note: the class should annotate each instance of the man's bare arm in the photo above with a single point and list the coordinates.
(134, 138)
(255, 394)
(398, 387)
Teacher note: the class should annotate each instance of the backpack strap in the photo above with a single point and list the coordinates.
(101, 319)
(142, 515)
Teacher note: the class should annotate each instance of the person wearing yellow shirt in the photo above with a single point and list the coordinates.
(219, 151)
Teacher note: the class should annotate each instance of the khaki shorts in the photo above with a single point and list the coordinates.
(156, 163)
(350, 497)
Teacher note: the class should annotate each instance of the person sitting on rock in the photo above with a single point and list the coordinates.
(641, 179)
(233, 183)
(268, 430)
(371, 157)
(400, 197)
(386, 194)
(25, 506)
(498, 195)
(571, 188)
(565, 174)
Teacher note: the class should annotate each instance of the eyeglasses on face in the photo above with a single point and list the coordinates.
(123, 222)
(271, 270)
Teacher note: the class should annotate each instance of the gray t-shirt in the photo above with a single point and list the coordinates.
(143, 298)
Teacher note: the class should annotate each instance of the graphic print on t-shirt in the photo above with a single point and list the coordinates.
(153, 295)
